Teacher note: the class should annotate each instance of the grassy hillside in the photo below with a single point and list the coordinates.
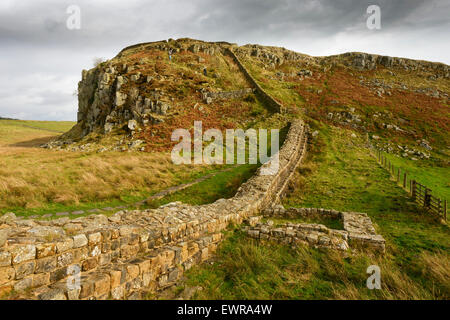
(346, 108)
(414, 101)
(339, 173)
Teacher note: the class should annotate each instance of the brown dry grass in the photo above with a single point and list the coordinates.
(31, 177)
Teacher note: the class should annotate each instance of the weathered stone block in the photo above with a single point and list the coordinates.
(53, 294)
(64, 246)
(118, 293)
(115, 277)
(45, 265)
(6, 274)
(106, 247)
(106, 235)
(134, 239)
(22, 253)
(65, 259)
(24, 269)
(128, 251)
(5, 258)
(133, 271)
(58, 274)
(45, 250)
(115, 233)
(94, 251)
(163, 279)
(115, 255)
(126, 230)
(144, 266)
(87, 288)
(89, 264)
(148, 277)
(80, 240)
(23, 284)
(101, 284)
(124, 240)
(115, 244)
(174, 275)
(3, 236)
(73, 294)
(205, 254)
(95, 238)
(41, 279)
(104, 259)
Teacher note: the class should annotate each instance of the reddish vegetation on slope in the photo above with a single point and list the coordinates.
(423, 113)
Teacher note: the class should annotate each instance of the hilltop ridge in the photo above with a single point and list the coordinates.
(141, 95)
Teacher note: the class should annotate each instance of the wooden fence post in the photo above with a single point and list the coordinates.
(427, 198)
(404, 180)
(445, 210)
(413, 189)
(398, 175)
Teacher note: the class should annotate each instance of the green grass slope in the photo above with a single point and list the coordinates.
(339, 173)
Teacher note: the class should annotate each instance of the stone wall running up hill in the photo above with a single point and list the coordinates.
(131, 252)
(275, 105)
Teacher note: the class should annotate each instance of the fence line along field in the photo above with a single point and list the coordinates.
(419, 192)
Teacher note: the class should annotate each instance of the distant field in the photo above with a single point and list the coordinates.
(36, 181)
(30, 133)
(434, 177)
(49, 126)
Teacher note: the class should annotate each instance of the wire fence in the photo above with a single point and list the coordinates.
(419, 192)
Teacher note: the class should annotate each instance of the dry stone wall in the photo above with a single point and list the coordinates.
(208, 97)
(131, 252)
(275, 105)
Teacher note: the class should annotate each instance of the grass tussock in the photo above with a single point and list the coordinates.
(246, 269)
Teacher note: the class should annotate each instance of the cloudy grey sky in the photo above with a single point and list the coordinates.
(41, 59)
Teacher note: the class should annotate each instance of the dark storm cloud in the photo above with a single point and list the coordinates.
(36, 44)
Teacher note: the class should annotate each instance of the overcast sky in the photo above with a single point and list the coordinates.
(41, 59)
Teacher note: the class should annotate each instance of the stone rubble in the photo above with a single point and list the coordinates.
(358, 229)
